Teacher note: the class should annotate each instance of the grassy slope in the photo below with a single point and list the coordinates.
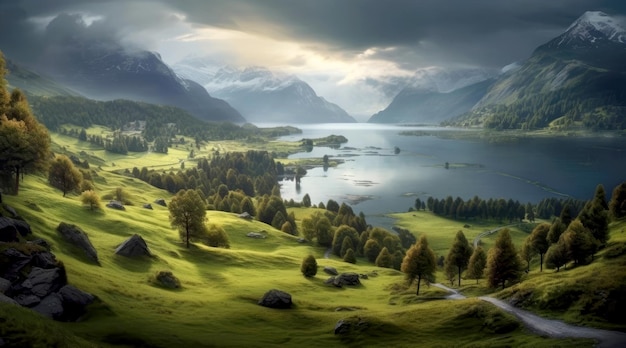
(217, 304)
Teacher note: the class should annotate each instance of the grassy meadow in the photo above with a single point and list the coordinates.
(217, 304)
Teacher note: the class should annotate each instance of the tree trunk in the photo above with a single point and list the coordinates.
(17, 179)
(187, 235)
(419, 278)
(459, 276)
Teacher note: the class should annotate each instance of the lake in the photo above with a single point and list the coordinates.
(375, 180)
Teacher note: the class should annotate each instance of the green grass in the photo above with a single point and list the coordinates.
(217, 304)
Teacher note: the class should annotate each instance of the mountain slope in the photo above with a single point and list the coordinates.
(262, 95)
(106, 73)
(33, 83)
(578, 79)
(424, 106)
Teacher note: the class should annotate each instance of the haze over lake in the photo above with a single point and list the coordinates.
(376, 181)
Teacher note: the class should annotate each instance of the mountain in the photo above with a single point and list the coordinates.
(576, 80)
(428, 106)
(107, 72)
(262, 95)
(433, 95)
(33, 83)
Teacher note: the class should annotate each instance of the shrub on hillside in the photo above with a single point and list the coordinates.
(217, 237)
(309, 266)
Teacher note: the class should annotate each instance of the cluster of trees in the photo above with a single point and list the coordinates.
(550, 207)
(497, 209)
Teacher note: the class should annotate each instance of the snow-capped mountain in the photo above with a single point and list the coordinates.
(576, 79)
(261, 95)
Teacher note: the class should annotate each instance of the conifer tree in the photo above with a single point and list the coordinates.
(384, 259)
(419, 263)
(579, 242)
(617, 206)
(527, 253)
(556, 256)
(539, 241)
(503, 263)
(459, 254)
(477, 263)
(349, 256)
(309, 266)
(556, 230)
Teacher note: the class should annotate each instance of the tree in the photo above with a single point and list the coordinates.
(345, 246)
(306, 200)
(24, 142)
(556, 230)
(503, 264)
(63, 175)
(539, 241)
(309, 266)
(188, 213)
(556, 256)
(596, 219)
(477, 263)
(349, 256)
(371, 250)
(216, 237)
(324, 232)
(459, 253)
(527, 253)
(578, 241)
(617, 205)
(341, 233)
(384, 259)
(419, 263)
(91, 198)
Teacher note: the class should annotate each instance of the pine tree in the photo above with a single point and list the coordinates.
(459, 254)
(527, 253)
(384, 259)
(556, 230)
(617, 206)
(503, 263)
(419, 263)
(349, 256)
(539, 241)
(477, 263)
(579, 242)
(556, 256)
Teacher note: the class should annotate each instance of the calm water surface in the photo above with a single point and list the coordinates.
(376, 181)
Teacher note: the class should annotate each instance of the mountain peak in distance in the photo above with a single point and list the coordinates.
(592, 27)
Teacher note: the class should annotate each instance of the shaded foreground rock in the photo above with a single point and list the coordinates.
(79, 238)
(350, 325)
(331, 270)
(11, 228)
(134, 246)
(160, 201)
(276, 299)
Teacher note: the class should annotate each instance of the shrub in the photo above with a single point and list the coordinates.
(349, 256)
(217, 237)
(309, 266)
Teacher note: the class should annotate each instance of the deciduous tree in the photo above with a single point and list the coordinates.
(556, 256)
(477, 263)
(539, 241)
(503, 263)
(384, 259)
(91, 198)
(188, 213)
(63, 175)
(419, 263)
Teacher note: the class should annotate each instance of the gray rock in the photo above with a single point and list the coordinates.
(116, 205)
(51, 306)
(71, 295)
(44, 260)
(14, 261)
(245, 215)
(331, 281)
(348, 279)
(25, 300)
(133, 246)
(161, 201)
(44, 281)
(9, 229)
(353, 325)
(78, 237)
(331, 270)
(4, 285)
(148, 206)
(7, 299)
(364, 276)
(276, 299)
(342, 327)
(256, 235)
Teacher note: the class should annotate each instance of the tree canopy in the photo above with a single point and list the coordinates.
(459, 254)
(503, 263)
(419, 263)
(188, 213)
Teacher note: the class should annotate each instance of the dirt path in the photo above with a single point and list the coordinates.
(486, 233)
(548, 327)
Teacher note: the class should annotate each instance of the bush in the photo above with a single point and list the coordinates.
(166, 279)
(349, 256)
(91, 199)
(309, 266)
(217, 237)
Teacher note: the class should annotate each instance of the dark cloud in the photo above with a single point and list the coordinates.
(409, 32)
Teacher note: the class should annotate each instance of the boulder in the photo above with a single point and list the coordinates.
(44, 259)
(276, 299)
(348, 279)
(43, 282)
(4, 285)
(50, 306)
(133, 246)
(26, 300)
(160, 201)
(354, 325)
(256, 235)
(75, 302)
(245, 215)
(331, 270)
(9, 229)
(116, 205)
(7, 299)
(78, 237)
(14, 262)
(10, 210)
(148, 206)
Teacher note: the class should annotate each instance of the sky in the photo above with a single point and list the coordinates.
(355, 53)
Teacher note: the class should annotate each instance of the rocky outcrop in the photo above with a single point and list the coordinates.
(44, 288)
(76, 236)
(148, 206)
(339, 281)
(160, 201)
(11, 229)
(134, 246)
(331, 270)
(276, 299)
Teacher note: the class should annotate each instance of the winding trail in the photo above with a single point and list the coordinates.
(548, 327)
(486, 233)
